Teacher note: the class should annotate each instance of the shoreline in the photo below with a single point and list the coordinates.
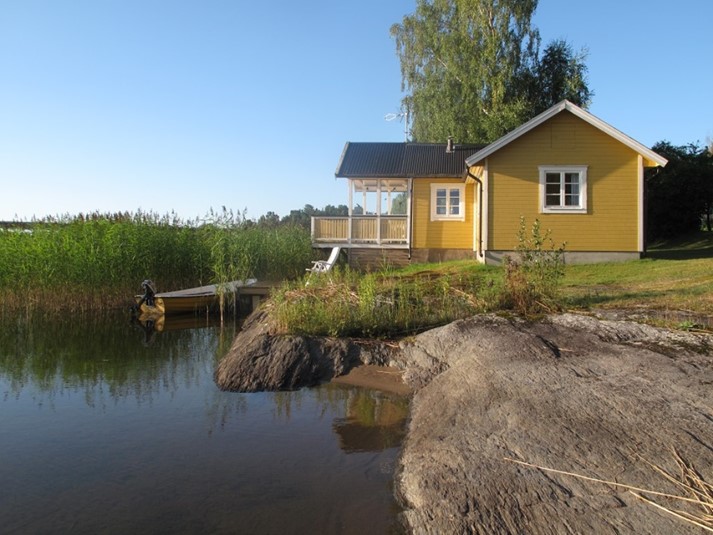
(570, 392)
(376, 377)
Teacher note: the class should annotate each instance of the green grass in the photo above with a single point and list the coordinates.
(676, 276)
(390, 303)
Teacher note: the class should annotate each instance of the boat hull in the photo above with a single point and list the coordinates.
(179, 305)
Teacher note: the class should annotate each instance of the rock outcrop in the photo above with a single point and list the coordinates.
(261, 359)
(597, 398)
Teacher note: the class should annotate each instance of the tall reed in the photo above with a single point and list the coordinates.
(98, 261)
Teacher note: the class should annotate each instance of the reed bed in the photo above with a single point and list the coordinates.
(95, 262)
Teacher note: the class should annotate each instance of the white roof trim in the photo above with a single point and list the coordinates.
(579, 112)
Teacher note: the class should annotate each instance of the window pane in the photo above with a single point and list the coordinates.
(441, 202)
(552, 200)
(552, 178)
(455, 202)
(571, 200)
(571, 188)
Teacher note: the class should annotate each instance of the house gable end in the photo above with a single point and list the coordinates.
(651, 158)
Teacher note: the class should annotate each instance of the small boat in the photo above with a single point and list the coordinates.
(152, 304)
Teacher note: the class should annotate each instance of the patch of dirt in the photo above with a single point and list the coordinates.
(377, 378)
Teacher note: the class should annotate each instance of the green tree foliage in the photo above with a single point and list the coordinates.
(680, 195)
(399, 205)
(303, 216)
(472, 70)
(458, 58)
(559, 74)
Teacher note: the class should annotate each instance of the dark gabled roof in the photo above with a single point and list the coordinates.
(403, 160)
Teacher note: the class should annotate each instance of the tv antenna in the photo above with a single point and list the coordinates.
(400, 116)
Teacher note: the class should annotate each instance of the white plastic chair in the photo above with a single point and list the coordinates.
(322, 266)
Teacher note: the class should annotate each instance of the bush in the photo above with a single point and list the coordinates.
(533, 276)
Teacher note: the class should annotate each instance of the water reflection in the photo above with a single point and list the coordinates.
(374, 421)
(109, 434)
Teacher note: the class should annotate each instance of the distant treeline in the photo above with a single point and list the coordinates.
(98, 260)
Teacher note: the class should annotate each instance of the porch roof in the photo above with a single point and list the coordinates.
(403, 160)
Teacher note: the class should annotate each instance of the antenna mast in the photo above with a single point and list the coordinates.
(400, 116)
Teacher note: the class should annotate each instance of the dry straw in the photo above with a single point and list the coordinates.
(696, 491)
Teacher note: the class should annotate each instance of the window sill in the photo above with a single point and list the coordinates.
(550, 210)
(446, 218)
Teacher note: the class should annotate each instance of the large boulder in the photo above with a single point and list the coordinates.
(263, 359)
(596, 398)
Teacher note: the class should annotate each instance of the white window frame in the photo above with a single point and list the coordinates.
(461, 202)
(581, 208)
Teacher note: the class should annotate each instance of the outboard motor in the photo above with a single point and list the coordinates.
(149, 292)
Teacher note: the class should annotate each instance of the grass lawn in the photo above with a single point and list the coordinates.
(675, 276)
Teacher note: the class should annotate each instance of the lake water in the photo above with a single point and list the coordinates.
(105, 428)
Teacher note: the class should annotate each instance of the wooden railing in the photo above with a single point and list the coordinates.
(361, 230)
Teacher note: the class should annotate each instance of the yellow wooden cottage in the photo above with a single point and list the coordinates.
(416, 202)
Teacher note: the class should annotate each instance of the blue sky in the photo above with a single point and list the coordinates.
(184, 106)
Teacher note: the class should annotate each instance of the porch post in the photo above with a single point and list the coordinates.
(484, 233)
(378, 211)
(351, 210)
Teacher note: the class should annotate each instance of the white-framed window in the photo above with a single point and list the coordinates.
(563, 189)
(447, 202)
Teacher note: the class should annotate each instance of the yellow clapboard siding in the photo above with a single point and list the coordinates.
(429, 234)
(611, 221)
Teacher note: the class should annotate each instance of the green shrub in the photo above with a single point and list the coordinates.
(534, 275)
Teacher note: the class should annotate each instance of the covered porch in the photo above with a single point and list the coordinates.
(379, 216)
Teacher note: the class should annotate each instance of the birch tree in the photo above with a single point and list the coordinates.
(461, 61)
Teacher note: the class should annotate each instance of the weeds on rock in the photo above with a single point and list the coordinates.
(381, 304)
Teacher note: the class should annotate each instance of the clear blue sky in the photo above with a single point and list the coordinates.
(161, 105)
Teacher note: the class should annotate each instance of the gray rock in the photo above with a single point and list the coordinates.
(260, 359)
(571, 393)
(574, 393)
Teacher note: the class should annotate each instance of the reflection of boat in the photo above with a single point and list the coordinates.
(157, 324)
(152, 304)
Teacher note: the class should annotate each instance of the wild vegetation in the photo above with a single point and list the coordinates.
(533, 276)
(391, 303)
(672, 287)
(98, 261)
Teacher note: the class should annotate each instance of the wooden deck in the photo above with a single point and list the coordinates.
(379, 231)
